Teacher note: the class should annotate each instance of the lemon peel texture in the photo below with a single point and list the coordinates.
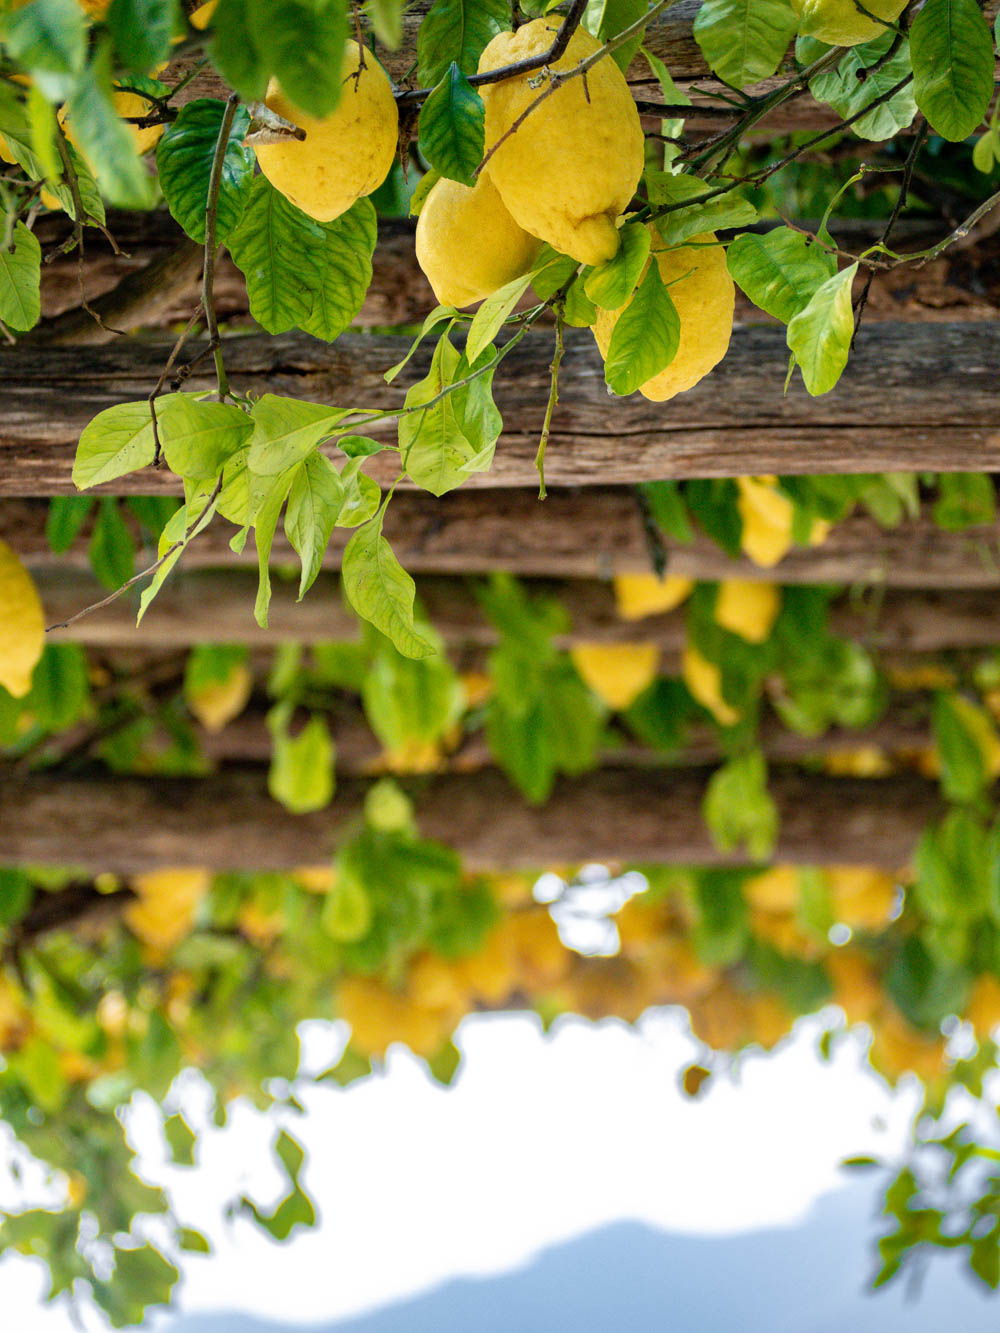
(467, 243)
(568, 171)
(841, 23)
(22, 625)
(344, 155)
(705, 297)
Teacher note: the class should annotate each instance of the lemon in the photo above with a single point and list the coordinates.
(841, 23)
(767, 516)
(617, 672)
(640, 595)
(217, 703)
(344, 155)
(572, 166)
(22, 626)
(774, 890)
(704, 682)
(467, 244)
(747, 608)
(201, 17)
(705, 297)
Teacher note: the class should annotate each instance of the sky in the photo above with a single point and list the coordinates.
(541, 1141)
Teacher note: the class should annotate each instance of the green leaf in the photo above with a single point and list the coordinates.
(780, 271)
(60, 687)
(20, 281)
(301, 273)
(49, 38)
(234, 49)
(820, 334)
(301, 772)
(605, 19)
(492, 314)
(193, 1242)
(609, 285)
(285, 430)
(198, 437)
(19, 129)
(180, 1139)
(410, 700)
(142, 30)
(952, 54)
(267, 496)
(303, 41)
(119, 440)
(314, 503)
(644, 340)
(145, 1274)
(452, 128)
(724, 211)
(176, 534)
(347, 911)
(184, 159)
(105, 140)
(67, 515)
(438, 314)
(111, 550)
(361, 495)
(738, 808)
(344, 261)
(860, 79)
(457, 30)
(743, 40)
(965, 500)
(44, 127)
(387, 21)
(963, 734)
(380, 590)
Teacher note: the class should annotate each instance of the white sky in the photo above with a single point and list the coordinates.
(541, 1139)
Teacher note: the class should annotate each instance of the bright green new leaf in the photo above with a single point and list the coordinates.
(952, 54)
(457, 30)
(724, 210)
(407, 699)
(820, 334)
(491, 315)
(119, 440)
(605, 19)
(779, 271)
(285, 430)
(361, 495)
(439, 444)
(438, 314)
(301, 772)
(743, 40)
(314, 503)
(452, 127)
(738, 808)
(645, 338)
(267, 496)
(387, 21)
(20, 281)
(347, 911)
(199, 437)
(611, 284)
(381, 591)
(173, 543)
(184, 159)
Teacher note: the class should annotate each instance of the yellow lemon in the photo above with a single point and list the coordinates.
(201, 17)
(704, 681)
(639, 595)
(774, 890)
(705, 297)
(22, 625)
(983, 1008)
(617, 672)
(219, 702)
(767, 517)
(747, 608)
(468, 245)
(841, 23)
(862, 897)
(344, 155)
(571, 167)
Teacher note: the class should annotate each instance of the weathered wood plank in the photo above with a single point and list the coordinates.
(217, 606)
(593, 532)
(912, 399)
(127, 825)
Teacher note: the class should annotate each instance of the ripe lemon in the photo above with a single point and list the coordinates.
(346, 154)
(841, 23)
(704, 681)
(704, 295)
(767, 517)
(22, 626)
(202, 16)
(774, 890)
(747, 608)
(640, 595)
(468, 245)
(569, 170)
(217, 703)
(617, 672)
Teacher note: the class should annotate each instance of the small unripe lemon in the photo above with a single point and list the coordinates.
(22, 625)
(841, 23)
(467, 244)
(704, 296)
(344, 155)
(568, 171)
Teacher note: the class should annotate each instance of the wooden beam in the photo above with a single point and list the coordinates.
(127, 825)
(912, 399)
(590, 533)
(217, 606)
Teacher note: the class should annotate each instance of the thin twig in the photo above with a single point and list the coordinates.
(145, 573)
(550, 406)
(211, 212)
(158, 387)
